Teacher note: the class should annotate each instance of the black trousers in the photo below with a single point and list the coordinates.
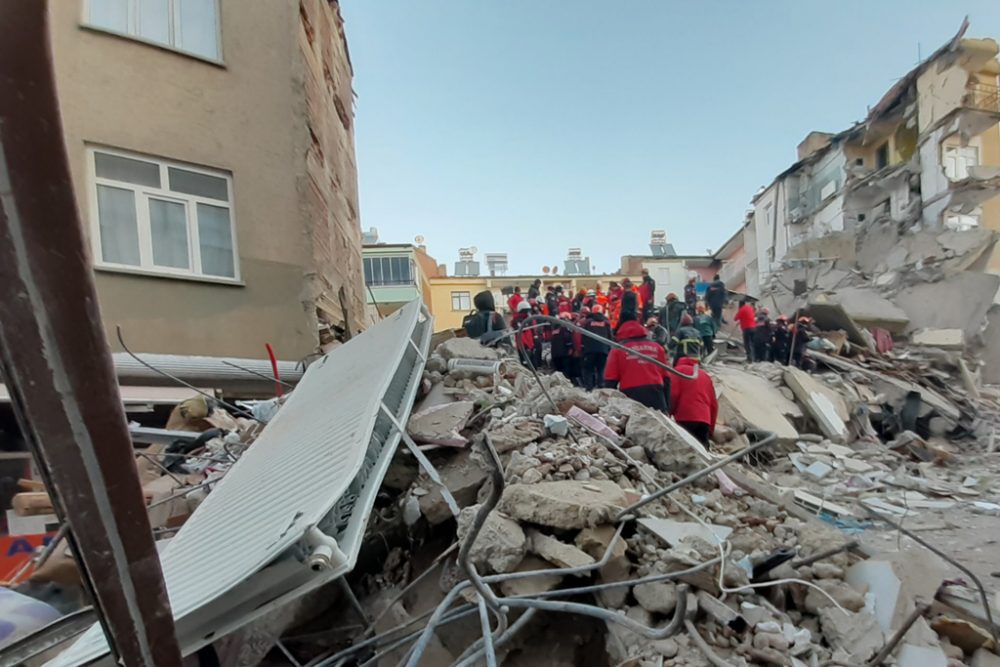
(748, 336)
(698, 429)
(561, 365)
(709, 344)
(593, 369)
(651, 395)
(717, 316)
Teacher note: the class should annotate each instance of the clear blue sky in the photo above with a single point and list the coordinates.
(530, 126)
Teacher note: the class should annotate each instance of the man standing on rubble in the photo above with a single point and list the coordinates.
(595, 353)
(535, 289)
(562, 347)
(715, 298)
(747, 319)
(672, 312)
(486, 324)
(647, 293)
(515, 300)
(637, 378)
(693, 404)
(762, 336)
(781, 341)
(691, 293)
(705, 325)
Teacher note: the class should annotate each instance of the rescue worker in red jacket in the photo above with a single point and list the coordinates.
(747, 317)
(595, 353)
(526, 337)
(637, 378)
(692, 402)
(514, 301)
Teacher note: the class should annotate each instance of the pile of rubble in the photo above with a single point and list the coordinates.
(756, 564)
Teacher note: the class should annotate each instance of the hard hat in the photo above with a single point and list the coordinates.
(524, 305)
(591, 292)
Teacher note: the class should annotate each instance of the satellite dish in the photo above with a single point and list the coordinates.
(419, 240)
(545, 270)
(555, 270)
(473, 250)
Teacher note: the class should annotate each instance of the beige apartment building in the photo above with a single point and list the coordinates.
(212, 150)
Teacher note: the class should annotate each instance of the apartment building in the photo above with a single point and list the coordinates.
(927, 155)
(212, 151)
(395, 274)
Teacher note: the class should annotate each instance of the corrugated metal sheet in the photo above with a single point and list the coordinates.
(318, 463)
(214, 371)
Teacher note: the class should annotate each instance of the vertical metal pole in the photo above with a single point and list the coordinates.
(55, 359)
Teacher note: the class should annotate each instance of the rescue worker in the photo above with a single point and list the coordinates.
(564, 304)
(671, 313)
(486, 324)
(515, 300)
(551, 301)
(535, 289)
(657, 331)
(686, 341)
(781, 341)
(693, 404)
(562, 346)
(647, 292)
(746, 316)
(631, 308)
(576, 353)
(578, 300)
(715, 298)
(595, 353)
(762, 336)
(691, 293)
(526, 336)
(637, 378)
(705, 324)
(614, 303)
(800, 339)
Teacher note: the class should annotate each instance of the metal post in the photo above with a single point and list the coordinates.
(55, 359)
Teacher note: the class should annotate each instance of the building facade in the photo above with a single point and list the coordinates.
(212, 153)
(395, 274)
(926, 156)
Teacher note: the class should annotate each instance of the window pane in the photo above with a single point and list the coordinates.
(368, 270)
(376, 271)
(126, 169)
(154, 20)
(168, 225)
(197, 28)
(109, 14)
(119, 231)
(393, 270)
(216, 241)
(200, 185)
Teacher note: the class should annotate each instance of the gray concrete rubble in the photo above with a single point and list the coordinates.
(776, 557)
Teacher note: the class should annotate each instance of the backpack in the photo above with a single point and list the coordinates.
(480, 327)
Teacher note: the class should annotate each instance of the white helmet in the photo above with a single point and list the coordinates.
(522, 306)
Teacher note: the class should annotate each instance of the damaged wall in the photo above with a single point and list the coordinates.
(245, 116)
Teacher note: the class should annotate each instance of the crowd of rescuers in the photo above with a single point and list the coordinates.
(680, 333)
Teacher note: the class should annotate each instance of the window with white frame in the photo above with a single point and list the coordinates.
(161, 216)
(384, 271)
(461, 301)
(191, 26)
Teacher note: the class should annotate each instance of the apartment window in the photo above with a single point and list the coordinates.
(191, 26)
(164, 217)
(382, 271)
(882, 156)
(461, 301)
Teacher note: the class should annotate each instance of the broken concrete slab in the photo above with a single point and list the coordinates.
(440, 424)
(859, 635)
(657, 597)
(500, 545)
(864, 307)
(984, 658)
(755, 402)
(830, 315)
(664, 441)
(564, 504)
(826, 406)
(673, 532)
(910, 655)
(959, 301)
(533, 585)
(946, 339)
(463, 475)
(595, 541)
(465, 348)
(555, 551)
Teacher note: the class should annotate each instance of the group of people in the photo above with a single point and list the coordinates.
(626, 315)
(779, 340)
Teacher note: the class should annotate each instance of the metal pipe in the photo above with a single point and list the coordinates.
(216, 371)
(276, 378)
(496, 489)
(969, 573)
(822, 555)
(484, 622)
(897, 637)
(472, 654)
(768, 439)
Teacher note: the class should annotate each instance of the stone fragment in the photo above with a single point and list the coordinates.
(465, 348)
(564, 504)
(656, 597)
(984, 658)
(595, 542)
(556, 424)
(664, 448)
(827, 571)
(463, 475)
(533, 585)
(501, 544)
(639, 615)
(555, 551)
(947, 339)
(846, 596)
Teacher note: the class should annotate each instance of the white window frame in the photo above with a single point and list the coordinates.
(142, 194)
(132, 19)
(459, 295)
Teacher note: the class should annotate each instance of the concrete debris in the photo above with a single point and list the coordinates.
(465, 348)
(441, 424)
(501, 544)
(463, 475)
(945, 339)
(556, 552)
(564, 504)
(824, 405)
(674, 532)
(750, 401)
(657, 597)
(515, 434)
(557, 424)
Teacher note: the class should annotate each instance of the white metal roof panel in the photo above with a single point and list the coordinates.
(318, 462)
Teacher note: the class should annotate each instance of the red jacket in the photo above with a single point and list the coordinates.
(646, 292)
(693, 400)
(513, 301)
(747, 317)
(629, 370)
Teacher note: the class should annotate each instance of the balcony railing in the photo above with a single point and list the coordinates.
(983, 97)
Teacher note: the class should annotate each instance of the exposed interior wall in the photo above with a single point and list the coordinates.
(237, 117)
(328, 186)
(990, 155)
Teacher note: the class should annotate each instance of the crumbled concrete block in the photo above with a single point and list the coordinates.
(533, 585)
(515, 434)
(818, 470)
(440, 425)
(665, 448)
(595, 541)
(463, 476)
(846, 596)
(556, 424)
(500, 545)
(946, 339)
(827, 408)
(656, 597)
(465, 348)
(754, 401)
(564, 504)
(555, 551)
(984, 658)
(674, 532)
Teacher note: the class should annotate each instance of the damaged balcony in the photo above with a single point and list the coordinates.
(981, 184)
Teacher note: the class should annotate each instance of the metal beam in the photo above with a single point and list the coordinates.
(55, 359)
